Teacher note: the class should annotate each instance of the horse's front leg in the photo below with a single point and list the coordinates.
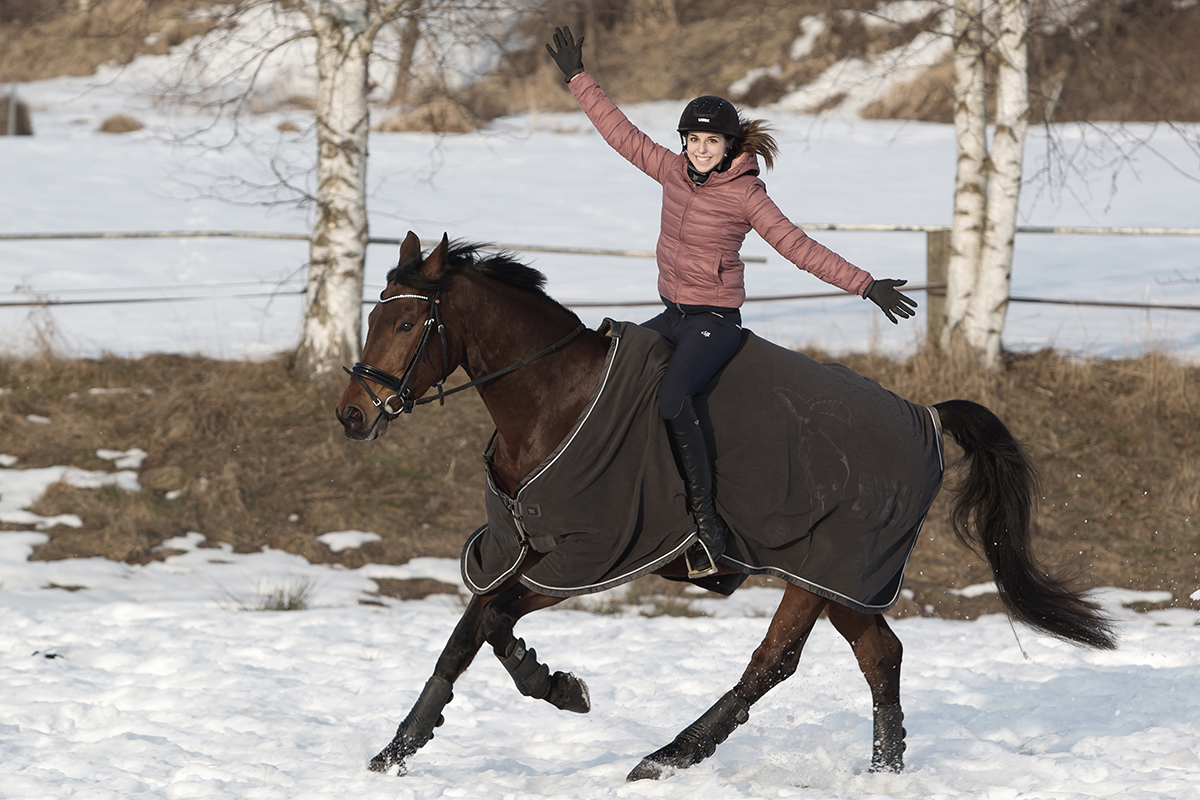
(417, 728)
(491, 618)
(533, 679)
(774, 660)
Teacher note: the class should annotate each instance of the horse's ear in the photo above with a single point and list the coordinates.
(436, 265)
(410, 247)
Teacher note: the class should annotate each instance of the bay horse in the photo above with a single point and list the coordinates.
(536, 368)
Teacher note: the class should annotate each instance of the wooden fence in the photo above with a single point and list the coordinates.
(937, 255)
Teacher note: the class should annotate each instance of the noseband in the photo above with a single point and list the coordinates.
(401, 392)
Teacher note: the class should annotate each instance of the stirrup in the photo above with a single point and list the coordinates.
(702, 571)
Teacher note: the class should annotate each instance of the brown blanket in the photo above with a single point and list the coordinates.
(823, 476)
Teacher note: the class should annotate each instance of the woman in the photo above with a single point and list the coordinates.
(712, 197)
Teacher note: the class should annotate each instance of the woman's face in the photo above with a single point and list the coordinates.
(705, 150)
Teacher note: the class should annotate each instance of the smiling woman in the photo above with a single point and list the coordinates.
(712, 197)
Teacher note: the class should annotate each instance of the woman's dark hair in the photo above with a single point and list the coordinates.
(755, 138)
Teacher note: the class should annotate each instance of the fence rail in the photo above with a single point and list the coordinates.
(937, 252)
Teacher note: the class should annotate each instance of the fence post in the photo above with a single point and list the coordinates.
(937, 260)
(12, 109)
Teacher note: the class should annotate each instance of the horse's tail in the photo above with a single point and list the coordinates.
(995, 502)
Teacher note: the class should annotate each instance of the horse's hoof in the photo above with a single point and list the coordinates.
(648, 769)
(569, 693)
(679, 754)
(388, 758)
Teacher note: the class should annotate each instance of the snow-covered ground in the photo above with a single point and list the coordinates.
(120, 681)
(124, 681)
(548, 180)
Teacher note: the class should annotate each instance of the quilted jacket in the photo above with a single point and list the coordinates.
(703, 227)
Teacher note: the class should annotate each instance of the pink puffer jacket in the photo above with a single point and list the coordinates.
(703, 227)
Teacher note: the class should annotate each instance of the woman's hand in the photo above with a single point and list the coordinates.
(570, 52)
(883, 294)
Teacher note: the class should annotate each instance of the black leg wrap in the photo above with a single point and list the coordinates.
(698, 740)
(417, 728)
(887, 754)
(532, 679)
(569, 693)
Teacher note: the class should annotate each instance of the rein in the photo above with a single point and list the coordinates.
(363, 372)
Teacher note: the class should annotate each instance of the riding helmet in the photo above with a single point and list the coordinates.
(712, 114)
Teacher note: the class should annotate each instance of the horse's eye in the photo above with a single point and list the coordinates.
(404, 327)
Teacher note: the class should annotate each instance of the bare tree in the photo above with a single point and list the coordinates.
(987, 186)
(227, 64)
(970, 184)
(409, 35)
(345, 31)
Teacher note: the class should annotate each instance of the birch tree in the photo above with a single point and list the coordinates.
(345, 32)
(222, 72)
(987, 186)
(970, 181)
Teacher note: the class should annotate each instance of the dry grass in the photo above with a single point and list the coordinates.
(260, 460)
(1139, 63)
(42, 39)
(258, 457)
(120, 123)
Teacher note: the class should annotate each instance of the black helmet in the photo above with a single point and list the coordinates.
(712, 114)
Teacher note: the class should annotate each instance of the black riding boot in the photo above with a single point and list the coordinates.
(688, 441)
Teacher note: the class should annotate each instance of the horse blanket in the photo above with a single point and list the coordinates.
(823, 476)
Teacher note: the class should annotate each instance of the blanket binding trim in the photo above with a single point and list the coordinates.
(610, 360)
(462, 565)
(515, 500)
(614, 582)
(823, 591)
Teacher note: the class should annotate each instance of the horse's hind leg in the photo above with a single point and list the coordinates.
(562, 689)
(879, 653)
(774, 661)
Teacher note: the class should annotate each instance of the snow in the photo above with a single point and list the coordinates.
(155, 681)
(347, 540)
(152, 681)
(546, 179)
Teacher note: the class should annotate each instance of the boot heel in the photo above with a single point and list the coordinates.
(701, 571)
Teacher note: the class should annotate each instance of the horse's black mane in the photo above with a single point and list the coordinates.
(464, 256)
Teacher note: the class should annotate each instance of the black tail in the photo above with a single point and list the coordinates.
(995, 502)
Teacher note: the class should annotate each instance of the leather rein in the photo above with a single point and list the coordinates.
(402, 393)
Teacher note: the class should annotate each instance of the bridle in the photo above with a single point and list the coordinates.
(402, 392)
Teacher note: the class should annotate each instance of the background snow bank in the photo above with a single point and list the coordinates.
(549, 180)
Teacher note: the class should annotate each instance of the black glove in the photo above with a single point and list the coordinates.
(570, 52)
(883, 294)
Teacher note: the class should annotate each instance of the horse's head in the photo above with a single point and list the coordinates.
(406, 351)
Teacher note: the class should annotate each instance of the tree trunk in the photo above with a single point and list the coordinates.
(410, 34)
(331, 333)
(989, 303)
(970, 183)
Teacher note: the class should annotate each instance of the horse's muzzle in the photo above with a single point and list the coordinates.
(357, 425)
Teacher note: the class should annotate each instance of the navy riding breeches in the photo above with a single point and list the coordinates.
(705, 338)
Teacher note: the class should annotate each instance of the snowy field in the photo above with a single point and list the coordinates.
(120, 681)
(148, 682)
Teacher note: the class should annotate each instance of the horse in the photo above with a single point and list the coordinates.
(537, 368)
